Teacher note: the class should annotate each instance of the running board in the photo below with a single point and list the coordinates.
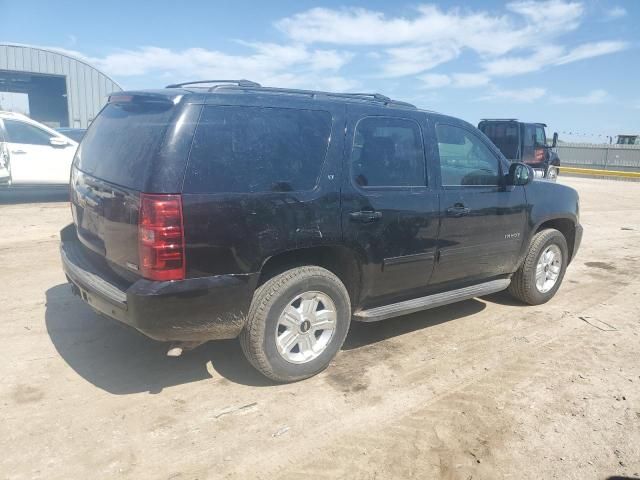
(430, 301)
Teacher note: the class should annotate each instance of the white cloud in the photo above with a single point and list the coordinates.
(507, 66)
(269, 63)
(435, 80)
(616, 12)
(595, 97)
(528, 95)
(432, 36)
(411, 60)
(524, 95)
(456, 80)
(523, 38)
(590, 50)
(467, 80)
(479, 31)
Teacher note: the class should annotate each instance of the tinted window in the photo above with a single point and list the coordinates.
(464, 158)
(20, 132)
(387, 152)
(534, 136)
(252, 149)
(504, 135)
(123, 142)
(540, 137)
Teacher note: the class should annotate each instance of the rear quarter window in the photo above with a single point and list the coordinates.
(257, 149)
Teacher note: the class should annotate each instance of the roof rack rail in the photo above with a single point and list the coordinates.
(248, 85)
(240, 83)
(377, 97)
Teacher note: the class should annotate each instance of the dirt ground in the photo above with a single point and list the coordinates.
(486, 388)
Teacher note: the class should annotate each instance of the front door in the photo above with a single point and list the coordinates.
(33, 159)
(389, 211)
(482, 219)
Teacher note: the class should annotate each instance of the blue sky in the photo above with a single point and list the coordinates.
(572, 64)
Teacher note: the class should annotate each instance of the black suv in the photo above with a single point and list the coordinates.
(281, 215)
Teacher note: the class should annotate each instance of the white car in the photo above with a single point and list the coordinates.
(32, 153)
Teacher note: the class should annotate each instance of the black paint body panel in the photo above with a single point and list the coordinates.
(411, 247)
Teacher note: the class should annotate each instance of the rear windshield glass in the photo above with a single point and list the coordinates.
(252, 149)
(123, 141)
(504, 135)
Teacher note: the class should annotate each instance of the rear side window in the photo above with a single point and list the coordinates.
(255, 149)
(387, 152)
(124, 141)
(23, 133)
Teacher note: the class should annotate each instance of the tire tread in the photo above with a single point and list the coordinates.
(522, 284)
(252, 336)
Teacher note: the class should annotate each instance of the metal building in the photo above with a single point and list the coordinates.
(51, 87)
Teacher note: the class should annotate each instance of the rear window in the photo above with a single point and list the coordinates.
(253, 149)
(505, 136)
(124, 141)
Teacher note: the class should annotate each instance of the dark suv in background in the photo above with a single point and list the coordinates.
(524, 142)
(213, 210)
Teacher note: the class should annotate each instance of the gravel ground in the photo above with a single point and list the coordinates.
(486, 388)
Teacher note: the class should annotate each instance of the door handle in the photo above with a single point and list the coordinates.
(18, 152)
(365, 216)
(458, 210)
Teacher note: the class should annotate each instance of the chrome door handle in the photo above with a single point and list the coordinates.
(365, 216)
(18, 152)
(458, 210)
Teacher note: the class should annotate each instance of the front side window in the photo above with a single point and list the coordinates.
(464, 158)
(540, 137)
(387, 152)
(20, 132)
(256, 149)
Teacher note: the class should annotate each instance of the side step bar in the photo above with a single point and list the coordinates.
(430, 301)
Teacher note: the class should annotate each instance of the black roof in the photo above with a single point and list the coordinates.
(511, 120)
(247, 86)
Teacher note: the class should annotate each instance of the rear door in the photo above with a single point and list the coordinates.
(389, 210)
(482, 220)
(34, 160)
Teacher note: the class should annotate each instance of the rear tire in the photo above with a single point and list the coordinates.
(297, 323)
(540, 275)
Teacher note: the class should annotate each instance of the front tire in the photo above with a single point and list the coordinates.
(297, 323)
(540, 275)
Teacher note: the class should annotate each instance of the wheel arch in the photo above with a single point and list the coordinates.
(566, 226)
(339, 260)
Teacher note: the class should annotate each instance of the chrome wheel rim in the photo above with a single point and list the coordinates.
(305, 327)
(552, 174)
(548, 268)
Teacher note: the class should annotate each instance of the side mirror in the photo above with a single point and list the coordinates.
(58, 142)
(520, 174)
(555, 140)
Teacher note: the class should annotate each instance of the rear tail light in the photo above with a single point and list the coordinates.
(161, 237)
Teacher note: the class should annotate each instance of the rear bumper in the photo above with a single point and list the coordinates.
(196, 309)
